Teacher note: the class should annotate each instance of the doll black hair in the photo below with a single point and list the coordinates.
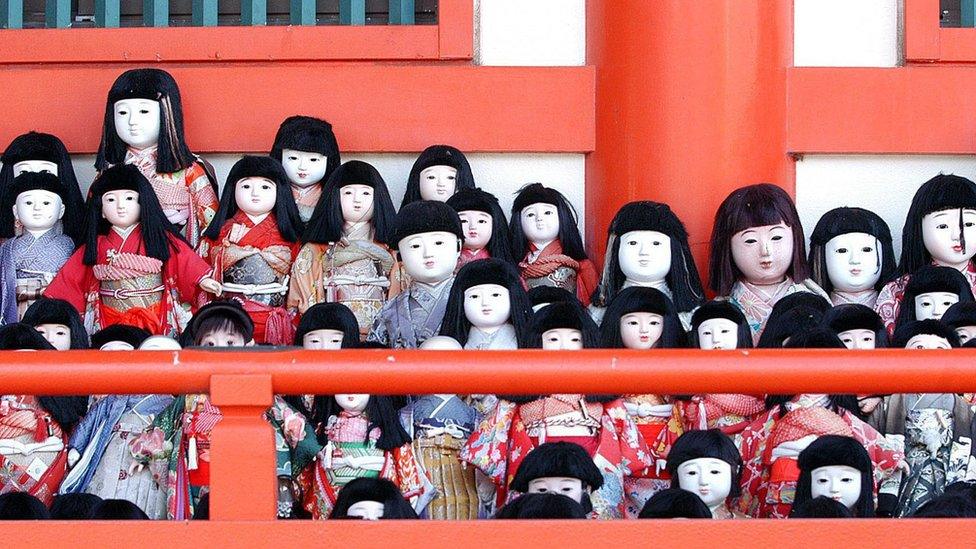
(830, 450)
(72, 222)
(499, 245)
(932, 278)
(382, 413)
(133, 335)
(792, 314)
(380, 490)
(73, 506)
(329, 316)
(672, 503)
(569, 235)
(942, 192)
(438, 155)
(559, 459)
(642, 300)
(718, 308)
(546, 295)
(22, 506)
(905, 332)
(542, 506)
(487, 271)
(117, 509)
(840, 221)
(960, 315)
(57, 311)
(821, 507)
(947, 506)
(854, 316)
(817, 338)
(326, 223)
(711, 443)
(426, 216)
(227, 315)
(563, 315)
(307, 134)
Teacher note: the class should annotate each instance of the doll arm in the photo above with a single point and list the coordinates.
(72, 282)
(188, 269)
(586, 281)
(305, 272)
(201, 189)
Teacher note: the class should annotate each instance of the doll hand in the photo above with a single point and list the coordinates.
(177, 217)
(135, 468)
(903, 467)
(73, 457)
(210, 285)
(868, 404)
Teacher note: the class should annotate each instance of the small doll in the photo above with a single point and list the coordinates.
(541, 506)
(488, 307)
(563, 326)
(547, 242)
(372, 499)
(308, 151)
(58, 322)
(439, 172)
(851, 256)
(327, 326)
(930, 292)
(541, 296)
(924, 334)
(346, 257)
(647, 245)
(484, 225)
(31, 259)
(718, 325)
(40, 153)
(252, 243)
(159, 343)
(119, 337)
(428, 238)
(559, 468)
(839, 468)
(858, 326)
(940, 221)
(674, 503)
(792, 315)
(757, 252)
(961, 317)
(133, 268)
(708, 464)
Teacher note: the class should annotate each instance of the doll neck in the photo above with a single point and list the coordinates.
(301, 192)
(720, 511)
(864, 297)
(257, 219)
(151, 149)
(962, 267)
(124, 233)
(432, 288)
(536, 249)
(661, 285)
(38, 234)
(360, 230)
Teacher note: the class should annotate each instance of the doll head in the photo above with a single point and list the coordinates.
(18, 336)
(541, 296)
(563, 326)
(327, 326)
(441, 343)
(837, 467)
(719, 325)
(931, 291)
(371, 499)
(948, 506)
(941, 225)
(37, 201)
(791, 315)
(354, 193)
(483, 222)
(160, 343)
(820, 507)
(924, 334)
(41, 152)
(381, 411)
(221, 324)
(486, 294)
(257, 186)
(756, 238)
(307, 150)
(961, 317)
(59, 322)
(647, 244)
(428, 236)
(672, 503)
(858, 326)
(851, 251)
(119, 337)
(562, 468)
(541, 506)
(706, 463)
(541, 215)
(439, 172)
(641, 318)
(144, 110)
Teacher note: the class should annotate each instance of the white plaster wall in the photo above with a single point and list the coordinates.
(530, 32)
(847, 33)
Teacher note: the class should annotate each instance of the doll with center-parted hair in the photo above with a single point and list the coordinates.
(309, 153)
(488, 307)
(484, 225)
(707, 463)
(851, 256)
(438, 173)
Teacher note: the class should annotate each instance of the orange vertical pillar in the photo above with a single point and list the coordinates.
(690, 104)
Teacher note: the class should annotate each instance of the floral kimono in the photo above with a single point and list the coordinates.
(32, 452)
(552, 268)
(412, 317)
(729, 412)
(659, 423)
(756, 304)
(28, 265)
(890, 296)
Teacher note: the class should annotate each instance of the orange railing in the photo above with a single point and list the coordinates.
(242, 453)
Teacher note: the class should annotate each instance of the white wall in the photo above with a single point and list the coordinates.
(846, 33)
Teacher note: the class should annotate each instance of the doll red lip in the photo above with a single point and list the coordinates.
(486, 311)
(957, 249)
(765, 264)
(855, 272)
(429, 264)
(645, 339)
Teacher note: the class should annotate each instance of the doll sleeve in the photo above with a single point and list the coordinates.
(586, 281)
(73, 282)
(187, 269)
(634, 452)
(752, 481)
(298, 443)
(203, 195)
(488, 447)
(306, 273)
(885, 453)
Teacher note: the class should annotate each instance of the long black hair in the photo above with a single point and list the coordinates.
(487, 271)
(710, 443)
(47, 310)
(817, 338)
(380, 490)
(499, 245)
(382, 413)
(642, 300)
(569, 235)
(285, 211)
(438, 155)
(840, 221)
(721, 309)
(307, 134)
(326, 223)
(928, 279)
(854, 316)
(837, 450)
(942, 192)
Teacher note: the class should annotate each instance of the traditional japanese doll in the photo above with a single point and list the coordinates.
(930, 292)
(119, 337)
(484, 225)
(488, 307)
(673, 503)
(547, 242)
(58, 322)
(40, 153)
(133, 268)
(372, 499)
(757, 253)
(541, 506)
(309, 152)
(428, 238)
(708, 464)
(961, 317)
(851, 256)
(837, 467)
(327, 326)
(541, 296)
(345, 258)
(791, 315)
(30, 260)
(562, 468)
(252, 243)
(438, 173)
(647, 245)
(940, 229)
(858, 326)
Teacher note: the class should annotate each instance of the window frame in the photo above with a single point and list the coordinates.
(927, 42)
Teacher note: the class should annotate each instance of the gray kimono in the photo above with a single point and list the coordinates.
(411, 317)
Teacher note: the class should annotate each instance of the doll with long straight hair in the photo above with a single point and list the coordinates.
(707, 463)
(488, 307)
(438, 173)
(309, 153)
(484, 225)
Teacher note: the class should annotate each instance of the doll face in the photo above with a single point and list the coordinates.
(853, 262)
(438, 183)
(858, 339)
(304, 169)
(430, 257)
(941, 235)
(325, 340)
(38, 210)
(255, 196)
(366, 510)
(933, 305)
(564, 486)
(487, 305)
(645, 256)
(441, 343)
(763, 254)
(927, 341)
(562, 339)
(117, 346)
(965, 333)
(159, 343)
(222, 338)
(35, 166)
(353, 404)
(718, 333)
(540, 223)
(58, 335)
(838, 482)
(477, 227)
(137, 122)
(709, 478)
(356, 202)
(121, 208)
(641, 330)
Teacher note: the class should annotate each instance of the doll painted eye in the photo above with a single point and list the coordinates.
(751, 240)
(632, 323)
(715, 472)
(655, 323)
(726, 331)
(143, 111)
(265, 187)
(842, 250)
(777, 238)
(942, 226)
(496, 294)
(367, 193)
(867, 249)
(122, 112)
(530, 214)
(547, 212)
(575, 339)
(692, 473)
(438, 243)
(707, 332)
(313, 159)
(482, 221)
(656, 243)
(631, 242)
(847, 480)
(451, 177)
(821, 481)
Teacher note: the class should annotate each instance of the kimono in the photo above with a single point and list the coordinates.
(412, 317)
(729, 412)
(306, 198)
(659, 423)
(771, 444)
(552, 268)
(33, 456)
(510, 431)
(868, 298)
(253, 262)
(890, 296)
(502, 338)
(128, 287)
(190, 191)
(756, 304)
(108, 466)
(28, 265)
(467, 256)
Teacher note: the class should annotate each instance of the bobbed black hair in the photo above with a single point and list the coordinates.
(22, 506)
(73, 506)
(672, 503)
(854, 316)
(133, 335)
(905, 332)
(380, 490)
(382, 413)
(499, 245)
(719, 308)
(932, 278)
(438, 155)
(47, 310)
(326, 223)
(542, 506)
(947, 506)
(563, 315)
(545, 295)
(487, 271)
(959, 315)
(840, 221)
(307, 134)
(642, 300)
(569, 235)
(820, 507)
(711, 443)
(942, 192)
(559, 459)
(117, 509)
(226, 314)
(329, 316)
(830, 450)
(790, 315)
(285, 211)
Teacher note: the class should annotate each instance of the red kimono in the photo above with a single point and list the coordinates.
(35, 456)
(553, 268)
(729, 412)
(127, 287)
